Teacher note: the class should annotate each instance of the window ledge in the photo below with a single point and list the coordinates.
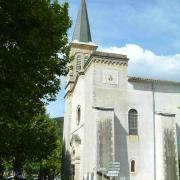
(133, 137)
(133, 173)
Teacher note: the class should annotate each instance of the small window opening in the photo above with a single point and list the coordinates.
(133, 166)
(78, 115)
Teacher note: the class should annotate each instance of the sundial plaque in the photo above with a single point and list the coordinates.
(110, 77)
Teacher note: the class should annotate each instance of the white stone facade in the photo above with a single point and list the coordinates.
(105, 94)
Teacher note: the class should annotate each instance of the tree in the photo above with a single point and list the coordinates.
(32, 33)
(47, 167)
(50, 166)
(37, 143)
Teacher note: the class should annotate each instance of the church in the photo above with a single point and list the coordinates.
(116, 126)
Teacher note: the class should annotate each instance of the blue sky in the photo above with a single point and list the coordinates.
(148, 31)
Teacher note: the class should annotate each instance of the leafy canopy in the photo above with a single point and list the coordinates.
(32, 33)
(34, 53)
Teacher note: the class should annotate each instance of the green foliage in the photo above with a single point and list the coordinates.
(34, 53)
(52, 164)
(32, 33)
(31, 169)
(59, 125)
(40, 148)
(37, 141)
(40, 138)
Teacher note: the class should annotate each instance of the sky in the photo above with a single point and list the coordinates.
(147, 31)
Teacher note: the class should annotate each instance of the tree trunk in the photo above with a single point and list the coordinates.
(51, 177)
(41, 175)
(1, 174)
(17, 169)
(1, 170)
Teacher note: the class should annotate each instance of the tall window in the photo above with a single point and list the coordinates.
(133, 122)
(133, 166)
(78, 63)
(86, 58)
(78, 115)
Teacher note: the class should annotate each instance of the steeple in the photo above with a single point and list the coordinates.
(82, 29)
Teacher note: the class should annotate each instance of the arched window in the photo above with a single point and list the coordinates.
(78, 115)
(133, 122)
(133, 166)
(78, 63)
(86, 58)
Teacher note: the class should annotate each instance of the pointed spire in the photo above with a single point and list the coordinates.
(82, 30)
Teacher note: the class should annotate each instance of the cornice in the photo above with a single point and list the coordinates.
(69, 82)
(103, 108)
(165, 114)
(106, 58)
(87, 46)
(110, 61)
(109, 55)
(81, 73)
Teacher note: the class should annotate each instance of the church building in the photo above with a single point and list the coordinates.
(117, 126)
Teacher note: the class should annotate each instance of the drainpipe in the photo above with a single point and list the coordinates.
(154, 127)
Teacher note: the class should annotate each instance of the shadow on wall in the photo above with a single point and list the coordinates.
(66, 164)
(178, 142)
(178, 138)
(105, 143)
(121, 151)
(159, 87)
(170, 155)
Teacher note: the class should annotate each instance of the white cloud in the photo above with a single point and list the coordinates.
(145, 63)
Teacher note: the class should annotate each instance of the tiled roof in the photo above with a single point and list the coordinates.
(130, 78)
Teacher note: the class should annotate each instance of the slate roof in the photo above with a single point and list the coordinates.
(82, 29)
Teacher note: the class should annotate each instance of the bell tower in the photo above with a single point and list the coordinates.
(81, 49)
(81, 45)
